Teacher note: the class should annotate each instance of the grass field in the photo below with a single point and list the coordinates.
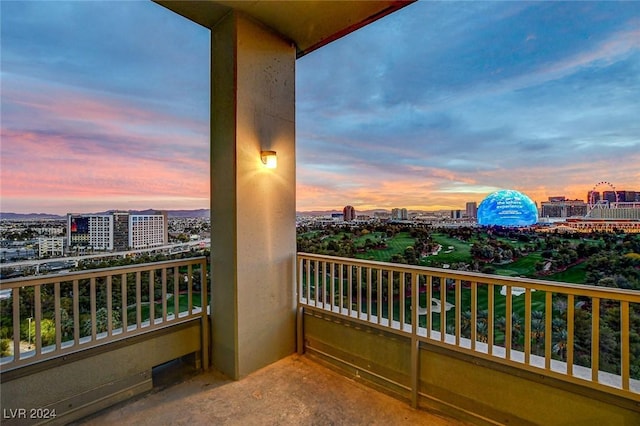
(512, 242)
(395, 245)
(575, 274)
(144, 309)
(457, 251)
(461, 251)
(522, 267)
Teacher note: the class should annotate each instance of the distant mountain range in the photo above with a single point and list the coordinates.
(330, 212)
(29, 216)
(363, 212)
(200, 213)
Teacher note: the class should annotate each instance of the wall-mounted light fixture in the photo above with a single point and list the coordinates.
(269, 159)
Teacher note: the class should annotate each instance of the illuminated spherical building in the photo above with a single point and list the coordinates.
(507, 208)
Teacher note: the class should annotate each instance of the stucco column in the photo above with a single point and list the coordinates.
(252, 208)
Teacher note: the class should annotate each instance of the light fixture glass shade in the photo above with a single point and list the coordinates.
(269, 159)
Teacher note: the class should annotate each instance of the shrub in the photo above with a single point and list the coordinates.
(5, 347)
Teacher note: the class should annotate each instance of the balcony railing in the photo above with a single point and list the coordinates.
(53, 315)
(576, 333)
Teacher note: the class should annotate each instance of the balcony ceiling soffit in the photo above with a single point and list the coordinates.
(309, 24)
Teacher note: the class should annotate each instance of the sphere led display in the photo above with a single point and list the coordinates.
(507, 208)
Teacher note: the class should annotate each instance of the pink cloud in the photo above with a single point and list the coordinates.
(65, 145)
(425, 189)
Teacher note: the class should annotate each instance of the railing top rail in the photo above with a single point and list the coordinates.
(530, 283)
(92, 273)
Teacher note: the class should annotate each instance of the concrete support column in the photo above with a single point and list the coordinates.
(253, 240)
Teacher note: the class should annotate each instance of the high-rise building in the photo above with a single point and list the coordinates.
(622, 196)
(101, 232)
(610, 196)
(472, 210)
(399, 214)
(93, 231)
(121, 231)
(117, 231)
(561, 207)
(149, 230)
(77, 230)
(349, 213)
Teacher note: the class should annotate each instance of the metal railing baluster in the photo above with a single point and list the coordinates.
(595, 338)
(548, 319)
(92, 296)
(474, 314)
(57, 314)
(570, 333)
(38, 319)
(109, 307)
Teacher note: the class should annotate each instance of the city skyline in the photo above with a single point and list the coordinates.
(434, 106)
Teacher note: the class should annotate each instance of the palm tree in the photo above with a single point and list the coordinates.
(465, 324)
(560, 346)
(501, 324)
(537, 329)
(516, 328)
(483, 332)
(482, 326)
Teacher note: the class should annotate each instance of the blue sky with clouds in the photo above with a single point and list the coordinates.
(453, 100)
(438, 104)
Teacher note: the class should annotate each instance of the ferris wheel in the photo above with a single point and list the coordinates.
(593, 201)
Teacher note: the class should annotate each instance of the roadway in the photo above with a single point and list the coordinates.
(169, 249)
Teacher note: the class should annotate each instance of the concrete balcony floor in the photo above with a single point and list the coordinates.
(292, 391)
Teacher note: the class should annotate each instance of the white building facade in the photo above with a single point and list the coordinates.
(101, 232)
(51, 247)
(148, 230)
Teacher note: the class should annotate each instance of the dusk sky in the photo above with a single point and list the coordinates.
(106, 105)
